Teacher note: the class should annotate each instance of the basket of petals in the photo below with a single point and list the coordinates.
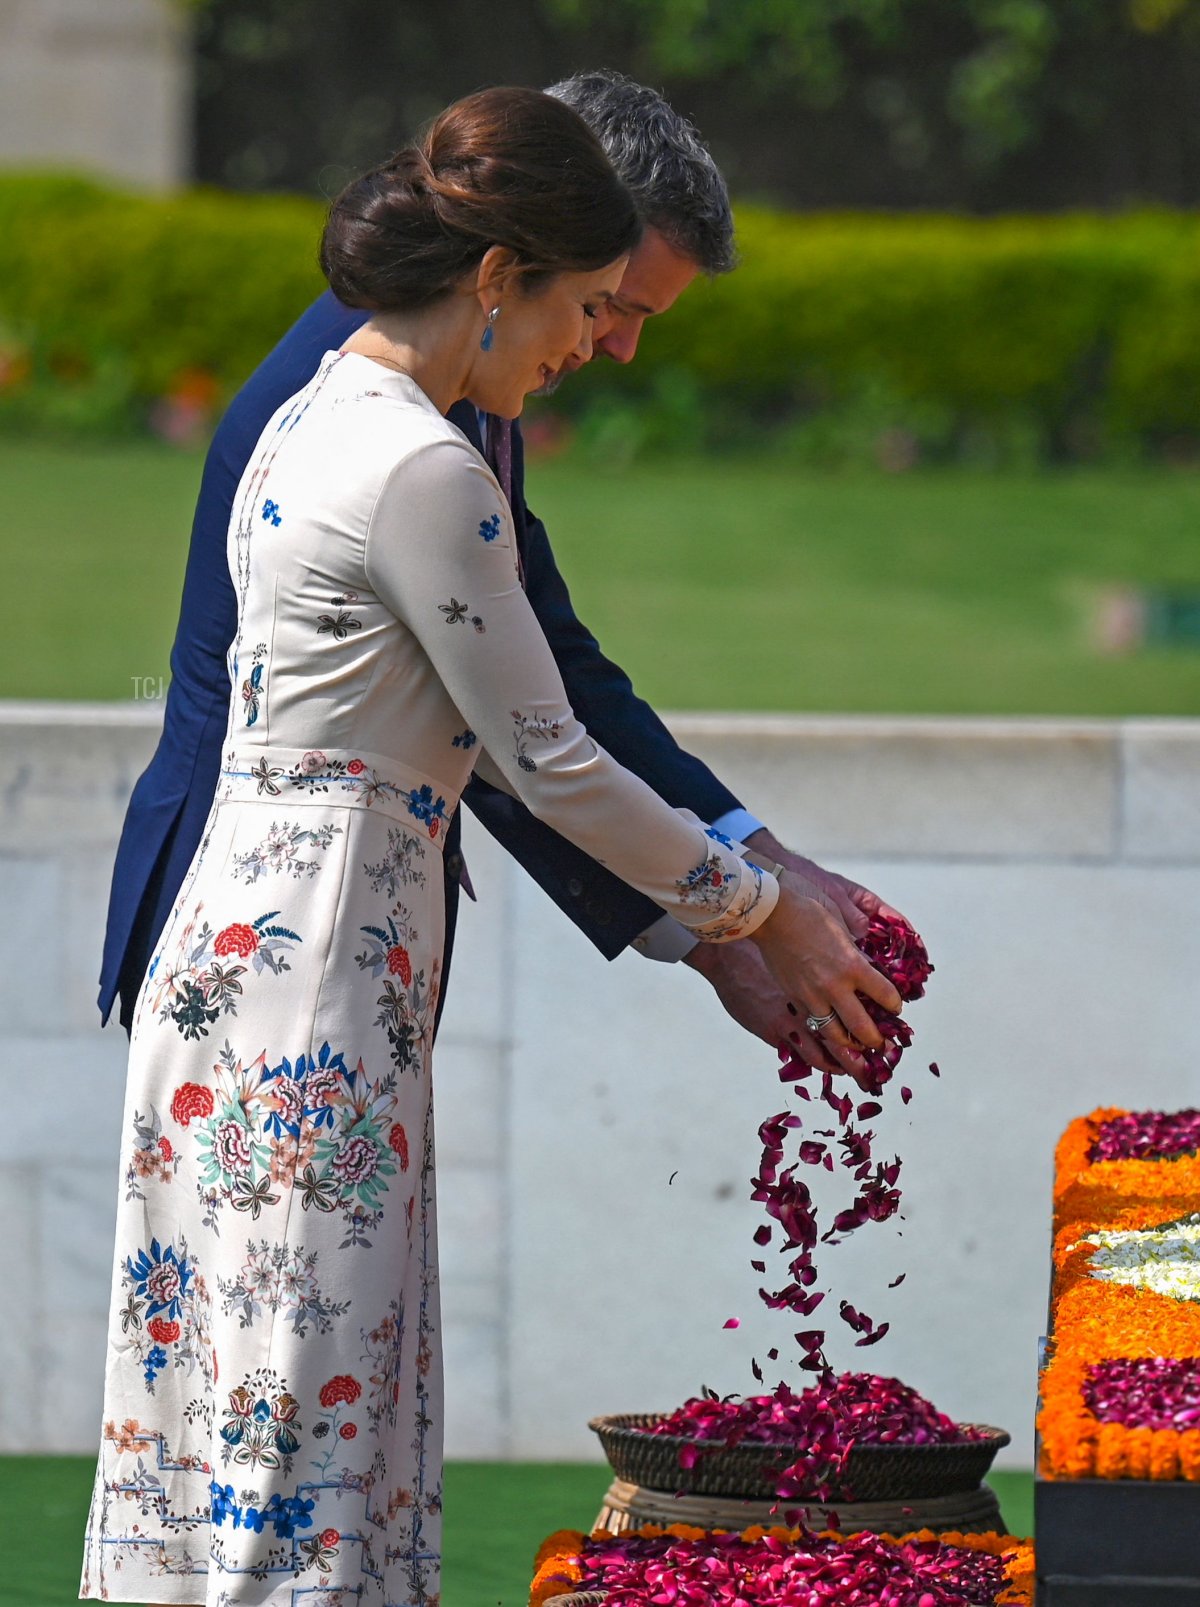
(854, 1438)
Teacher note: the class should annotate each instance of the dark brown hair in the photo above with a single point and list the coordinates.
(507, 167)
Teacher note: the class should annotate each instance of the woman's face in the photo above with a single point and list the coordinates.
(538, 333)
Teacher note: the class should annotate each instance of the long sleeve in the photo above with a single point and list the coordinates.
(439, 553)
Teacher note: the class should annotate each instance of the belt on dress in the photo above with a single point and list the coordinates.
(345, 777)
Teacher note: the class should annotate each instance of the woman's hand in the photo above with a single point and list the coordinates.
(810, 953)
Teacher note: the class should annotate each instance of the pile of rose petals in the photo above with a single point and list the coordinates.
(1152, 1392)
(823, 1423)
(895, 949)
(863, 1570)
(865, 1407)
(1147, 1135)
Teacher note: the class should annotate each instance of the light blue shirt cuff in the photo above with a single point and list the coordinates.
(738, 824)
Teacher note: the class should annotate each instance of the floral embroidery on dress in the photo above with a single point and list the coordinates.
(457, 612)
(260, 1424)
(279, 851)
(165, 1315)
(204, 980)
(466, 739)
(535, 729)
(396, 868)
(705, 884)
(310, 1125)
(266, 778)
(489, 528)
(252, 688)
(315, 772)
(406, 1004)
(423, 807)
(280, 1279)
(332, 1424)
(270, 512)
(718, 836)
(338, 625)
(383, 1351)
(285, 1513)
(153, 1157)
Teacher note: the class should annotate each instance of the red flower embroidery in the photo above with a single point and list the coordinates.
(356, 767)
(237, 939)
(191, 1100)
(434, 827)
(398, 1141)
(399, 964)
(340, 1388)
(347, 1431)
(163, 1331)
(166, 1149)
(330, 1537)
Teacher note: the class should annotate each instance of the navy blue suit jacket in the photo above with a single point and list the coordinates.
(171, 801)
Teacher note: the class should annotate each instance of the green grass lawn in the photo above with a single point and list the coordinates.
(718, 584)
(496, 1516)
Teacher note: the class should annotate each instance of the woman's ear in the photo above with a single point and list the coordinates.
(497, 268)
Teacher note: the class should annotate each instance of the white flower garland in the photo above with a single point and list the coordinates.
(1165, 1260)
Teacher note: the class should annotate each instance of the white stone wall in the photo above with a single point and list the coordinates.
(98, 84)
(1054, 868)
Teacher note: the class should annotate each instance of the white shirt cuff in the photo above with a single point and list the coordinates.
(666, 940)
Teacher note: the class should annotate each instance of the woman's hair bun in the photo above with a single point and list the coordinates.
(510, 167)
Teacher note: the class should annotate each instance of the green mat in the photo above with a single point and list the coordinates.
(496, 1516)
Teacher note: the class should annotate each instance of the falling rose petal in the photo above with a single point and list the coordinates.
(763, 1234)
(896, 1282)
(732, 1322)
(875, 1337)
(905, 1095)
(868, 1108)
(672, 1178)
(772, 1355)
(933, 1066)
(756, 1370)
(759, 1266)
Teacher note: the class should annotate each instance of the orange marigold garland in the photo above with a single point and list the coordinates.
(562, 1567)
(1098, 1323)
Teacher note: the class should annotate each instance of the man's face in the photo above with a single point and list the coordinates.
(654, 279)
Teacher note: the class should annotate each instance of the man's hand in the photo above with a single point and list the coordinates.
(738, 975)
(856, 904)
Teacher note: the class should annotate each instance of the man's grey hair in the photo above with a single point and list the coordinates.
(676, 184)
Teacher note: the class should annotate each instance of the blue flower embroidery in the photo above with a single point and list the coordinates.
(489, 529)
(161, 1278)
(422, 806)
(270, 510)
(251, 693)
(468, 739)
(222, 1504)
(156, 1360)
(718, 836)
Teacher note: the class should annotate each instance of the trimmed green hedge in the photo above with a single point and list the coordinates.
(1082, 330)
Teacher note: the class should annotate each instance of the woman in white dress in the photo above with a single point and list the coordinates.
(272, 1422)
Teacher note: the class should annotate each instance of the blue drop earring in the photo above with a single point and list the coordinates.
(487, 339)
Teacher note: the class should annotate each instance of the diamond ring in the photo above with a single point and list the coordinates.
(815, 1023)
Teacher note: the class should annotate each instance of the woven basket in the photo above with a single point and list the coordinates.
(748, 1472)
(629, 1506)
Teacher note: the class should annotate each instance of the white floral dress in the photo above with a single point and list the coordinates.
(272, 1419)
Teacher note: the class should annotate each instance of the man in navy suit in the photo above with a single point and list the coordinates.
(688, 231)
